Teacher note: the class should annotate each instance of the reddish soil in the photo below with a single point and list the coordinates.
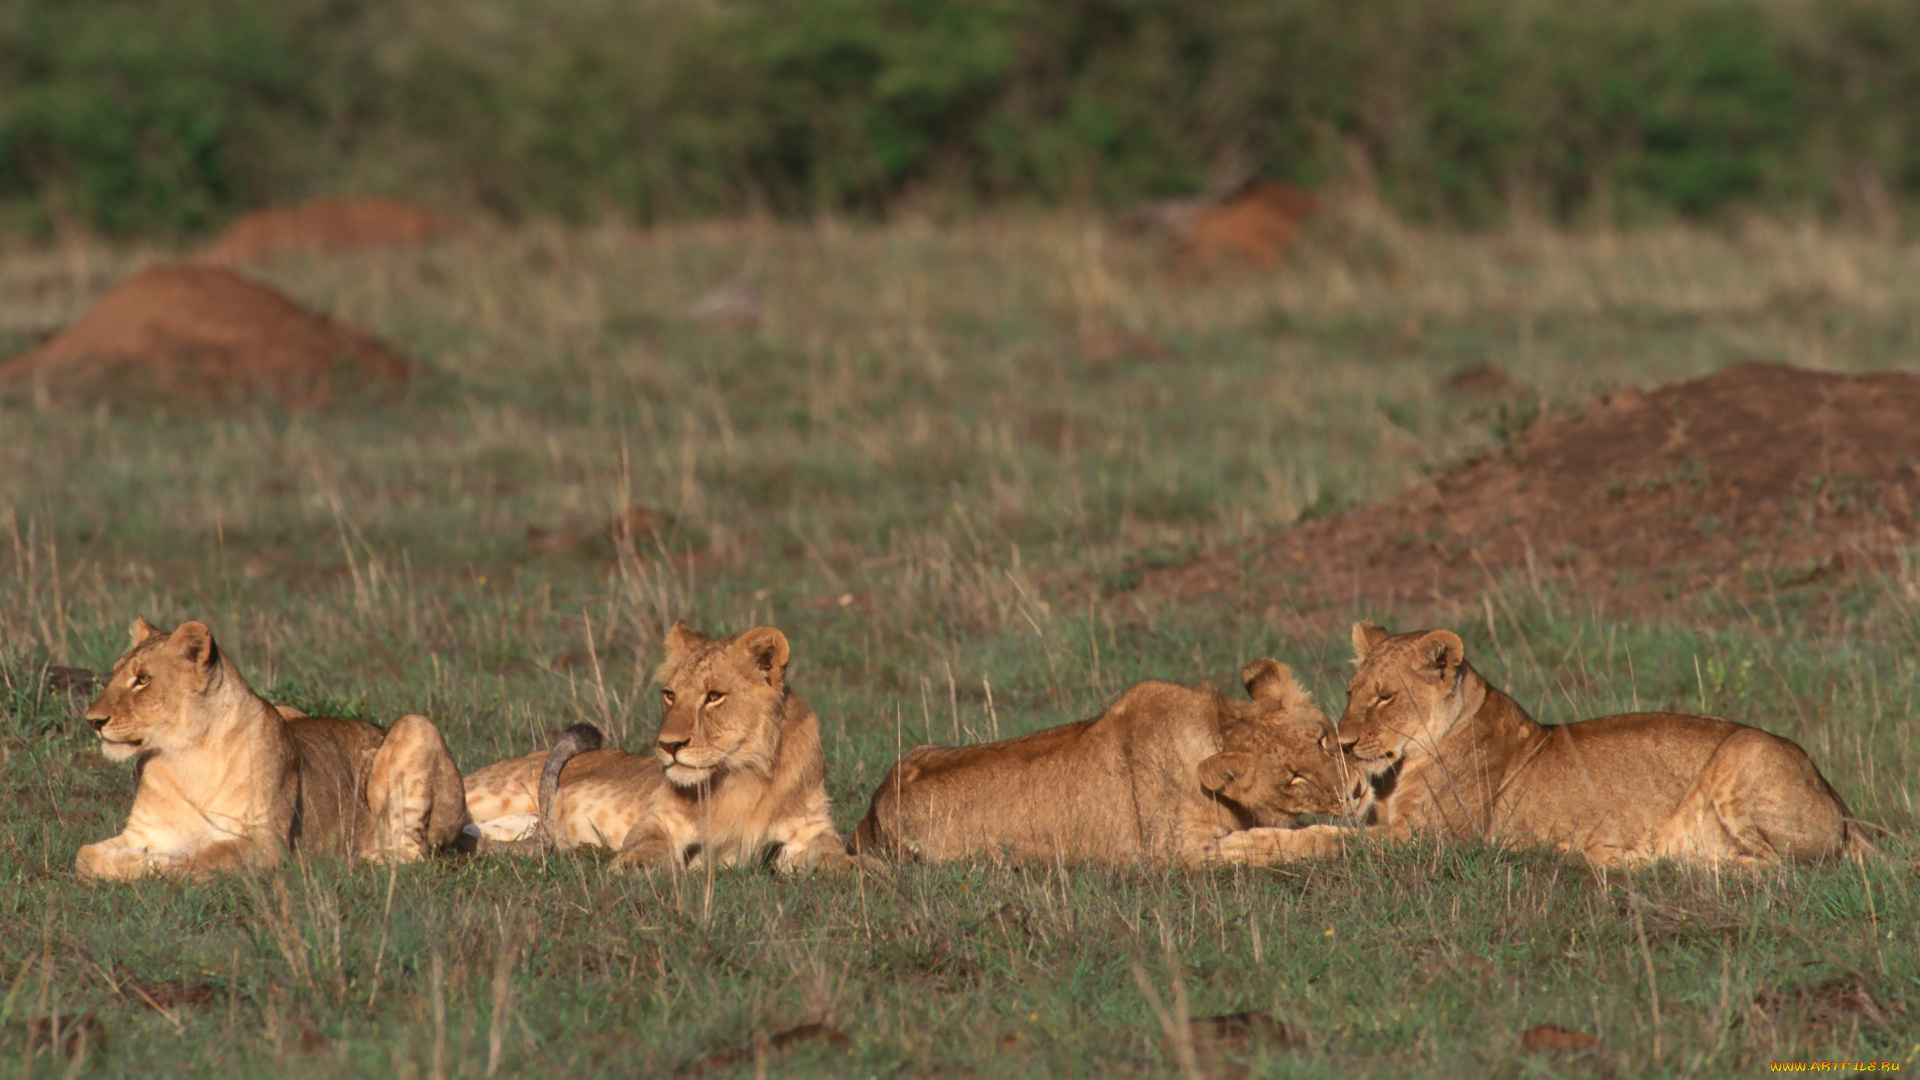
(199, 332)
(1256, 224)
(1751, 480)
(325, 227)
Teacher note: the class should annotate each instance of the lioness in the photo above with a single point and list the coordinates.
(1162, 775)
(737, 772)
(227, 780)
(1451, 755)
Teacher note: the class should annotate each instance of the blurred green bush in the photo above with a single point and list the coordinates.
(169, 116)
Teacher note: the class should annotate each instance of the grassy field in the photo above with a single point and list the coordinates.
(932, 461)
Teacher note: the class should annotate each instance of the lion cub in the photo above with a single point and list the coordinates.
(1162, 775)
(1453, 756)
(737, 771)
(227, 780)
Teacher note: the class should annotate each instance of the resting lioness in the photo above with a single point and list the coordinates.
(1162, 775)
(1451, 755)
(737, 772)
(227, 780)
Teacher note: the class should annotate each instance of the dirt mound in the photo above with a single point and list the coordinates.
(1752, 479)
(326, 227)
(187, 331)
(1255, 223)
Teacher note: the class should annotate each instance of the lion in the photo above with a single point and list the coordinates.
(737, 772)
(1451, 755)
(573, 794)
(1162, 775)
(227, 780)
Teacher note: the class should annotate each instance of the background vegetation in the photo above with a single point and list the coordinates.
(171, 115)
(931, 461)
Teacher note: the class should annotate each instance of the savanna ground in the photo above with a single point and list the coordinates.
(937, 460)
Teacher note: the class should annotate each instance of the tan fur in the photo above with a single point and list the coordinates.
(227, 780)
(1458, 758)
(601, 796)
(745, 776)
(1163, 775)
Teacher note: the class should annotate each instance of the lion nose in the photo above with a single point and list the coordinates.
(98, 722)
(672, 746)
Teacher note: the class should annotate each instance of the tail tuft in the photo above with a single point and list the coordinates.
(577, 739)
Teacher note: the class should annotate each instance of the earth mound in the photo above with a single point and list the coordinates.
(1753, 479)
(200, 332)
(326, 227)
(1252, 223)
(1255, 223)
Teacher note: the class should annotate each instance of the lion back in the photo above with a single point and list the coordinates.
(333, 757)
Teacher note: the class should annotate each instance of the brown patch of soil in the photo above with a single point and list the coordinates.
(1553, 1037)
(326, 227)
(1255, 223)
(164, 996)
(1482, 382)
(1837, 1008)
(777, 1043)
(187, 331)
(1755, 478)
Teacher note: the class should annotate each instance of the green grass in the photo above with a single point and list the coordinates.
(915, 423)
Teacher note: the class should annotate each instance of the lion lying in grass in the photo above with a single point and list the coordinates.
(737, 773)
(1452, 755)
(1162, 776)
(227, 780)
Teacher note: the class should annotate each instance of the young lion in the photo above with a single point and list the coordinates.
(737, 772)
(227, 780)
(1162, 775)
(1457, 757)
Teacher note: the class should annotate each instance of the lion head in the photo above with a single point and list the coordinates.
(722, 701)
(1407, 691)
(151, 697)
(1279, 756)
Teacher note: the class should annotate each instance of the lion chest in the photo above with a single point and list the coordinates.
(188, 802)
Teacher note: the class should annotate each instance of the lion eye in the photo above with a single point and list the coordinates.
(666, 697)
(1383, 699)
(140, 681)
(1297, 780)
(713, 696)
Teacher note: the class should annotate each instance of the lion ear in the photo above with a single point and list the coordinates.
(1367, 636)
(681, 640)
(767, 650)
(194, 642)
(1222, 769)
(1271, 680)
(1441, 652)
(141, 631)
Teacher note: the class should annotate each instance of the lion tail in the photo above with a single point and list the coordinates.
(577, 739)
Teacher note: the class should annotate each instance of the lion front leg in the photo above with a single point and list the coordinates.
(220, 857)
(822, 850)
(415, 802)
(649, 843)
(1263, 845)
(113, 860)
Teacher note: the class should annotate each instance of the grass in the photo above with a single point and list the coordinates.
(921, 464)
